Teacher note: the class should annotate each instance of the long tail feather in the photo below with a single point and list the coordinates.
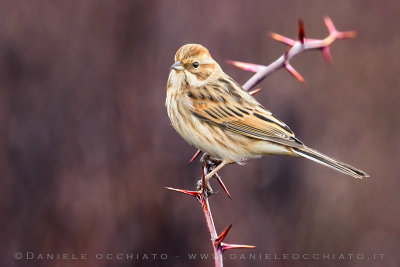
(330, 162)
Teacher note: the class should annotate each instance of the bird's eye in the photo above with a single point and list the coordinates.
(196, 64)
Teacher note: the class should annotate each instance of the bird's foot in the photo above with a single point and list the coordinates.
(208, 190)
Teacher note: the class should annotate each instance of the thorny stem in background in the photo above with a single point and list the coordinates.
(295, 48)
(261, 71)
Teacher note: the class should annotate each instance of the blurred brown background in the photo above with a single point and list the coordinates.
(86, 147)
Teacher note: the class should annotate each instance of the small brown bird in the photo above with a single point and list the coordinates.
(213, 113)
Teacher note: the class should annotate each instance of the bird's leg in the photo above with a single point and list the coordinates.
(207, 163)
(208, 188)
(214, 171)
(211, 165)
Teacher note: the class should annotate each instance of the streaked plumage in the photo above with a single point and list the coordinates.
(213, 113)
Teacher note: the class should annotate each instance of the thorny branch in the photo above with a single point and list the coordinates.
(296, 47)
(202, 196)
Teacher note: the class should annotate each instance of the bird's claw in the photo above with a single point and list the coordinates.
(208, 190)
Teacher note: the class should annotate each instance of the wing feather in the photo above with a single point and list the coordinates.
(239, 112)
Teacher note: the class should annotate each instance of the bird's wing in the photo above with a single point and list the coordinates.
(228, 106)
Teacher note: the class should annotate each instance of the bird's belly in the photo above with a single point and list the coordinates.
(219, 143)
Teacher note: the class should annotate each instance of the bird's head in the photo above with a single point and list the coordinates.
(195, 62)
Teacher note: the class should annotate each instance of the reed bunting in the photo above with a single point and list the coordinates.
(213, 113)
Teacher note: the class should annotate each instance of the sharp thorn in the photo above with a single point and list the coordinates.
(346, 35)
(245, 66)
(223, 185)
(282, 39)
(294, 73)
(329, 24)
(194, 156)
(255, 91)
(226, 246)
(302, 33)
(187, 192)
(222, 236)
(327, 55)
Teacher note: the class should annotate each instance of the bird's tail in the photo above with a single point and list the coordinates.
(330, 162)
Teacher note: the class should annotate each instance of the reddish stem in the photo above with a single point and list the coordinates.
(202, 196)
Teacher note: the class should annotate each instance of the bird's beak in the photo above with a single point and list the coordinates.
(177, 66)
